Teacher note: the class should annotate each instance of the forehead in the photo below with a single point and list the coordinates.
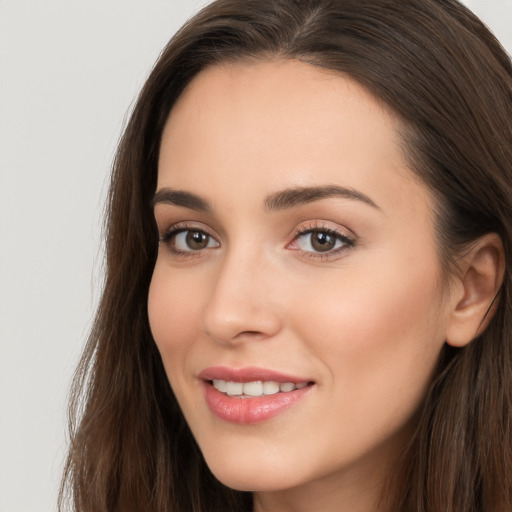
(280, 94)
(279, 124)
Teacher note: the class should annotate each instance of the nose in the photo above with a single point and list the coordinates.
(242, 305)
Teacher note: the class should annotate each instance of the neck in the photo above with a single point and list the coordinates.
(358, 487)
(319, 498)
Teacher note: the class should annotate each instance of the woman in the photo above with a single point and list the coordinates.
(307, 301)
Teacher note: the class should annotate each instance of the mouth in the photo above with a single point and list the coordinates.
(251, 395)
(256, 388)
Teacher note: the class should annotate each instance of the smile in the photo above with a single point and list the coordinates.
(251, 395)
(255, 388)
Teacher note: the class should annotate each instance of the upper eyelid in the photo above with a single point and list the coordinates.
(173, 231)
(346, 239)
(323, 225)
(188, 225)
(305, 231)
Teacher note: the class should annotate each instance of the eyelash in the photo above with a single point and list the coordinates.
(347, 242)
(167, 238)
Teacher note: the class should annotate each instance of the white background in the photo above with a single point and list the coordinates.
(69, 72)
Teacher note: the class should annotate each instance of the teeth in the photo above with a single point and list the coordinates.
(255, 388)
(220, 385)
(270, 388)
(234, 388)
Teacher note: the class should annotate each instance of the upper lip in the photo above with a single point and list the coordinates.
(248, 374)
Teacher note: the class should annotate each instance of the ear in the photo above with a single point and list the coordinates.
(474, 298)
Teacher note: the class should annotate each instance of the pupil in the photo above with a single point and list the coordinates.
(197, 240)
(323, 242)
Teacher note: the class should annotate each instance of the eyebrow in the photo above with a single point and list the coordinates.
(180, 198)
(296, 196)
(282, 200)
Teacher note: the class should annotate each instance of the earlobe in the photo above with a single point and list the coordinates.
(474, 304)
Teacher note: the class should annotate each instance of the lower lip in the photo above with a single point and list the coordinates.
(235, 409)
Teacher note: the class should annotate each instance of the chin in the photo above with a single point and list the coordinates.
(257, 480)
(246, 471)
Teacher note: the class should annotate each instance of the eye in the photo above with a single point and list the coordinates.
(321, 241)
(318, 241)
(181, 240)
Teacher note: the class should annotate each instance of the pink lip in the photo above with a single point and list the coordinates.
(248, 374)
(249, 410)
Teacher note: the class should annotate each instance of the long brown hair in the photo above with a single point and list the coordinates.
(445, 75)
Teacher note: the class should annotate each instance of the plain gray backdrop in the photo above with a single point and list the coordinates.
(69, 72)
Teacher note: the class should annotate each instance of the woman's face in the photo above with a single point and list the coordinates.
(297, 254)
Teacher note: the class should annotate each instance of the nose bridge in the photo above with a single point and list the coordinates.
(241, 302)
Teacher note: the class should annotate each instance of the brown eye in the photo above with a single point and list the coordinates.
(322, 242)
(188, 240)
(196, 240)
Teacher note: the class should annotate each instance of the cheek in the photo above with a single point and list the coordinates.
(173, 314)
(380, 334)
(371, 309)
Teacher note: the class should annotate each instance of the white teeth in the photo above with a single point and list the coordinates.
(255, 388)
(220, 385)
(270, 388)
(234, 388)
